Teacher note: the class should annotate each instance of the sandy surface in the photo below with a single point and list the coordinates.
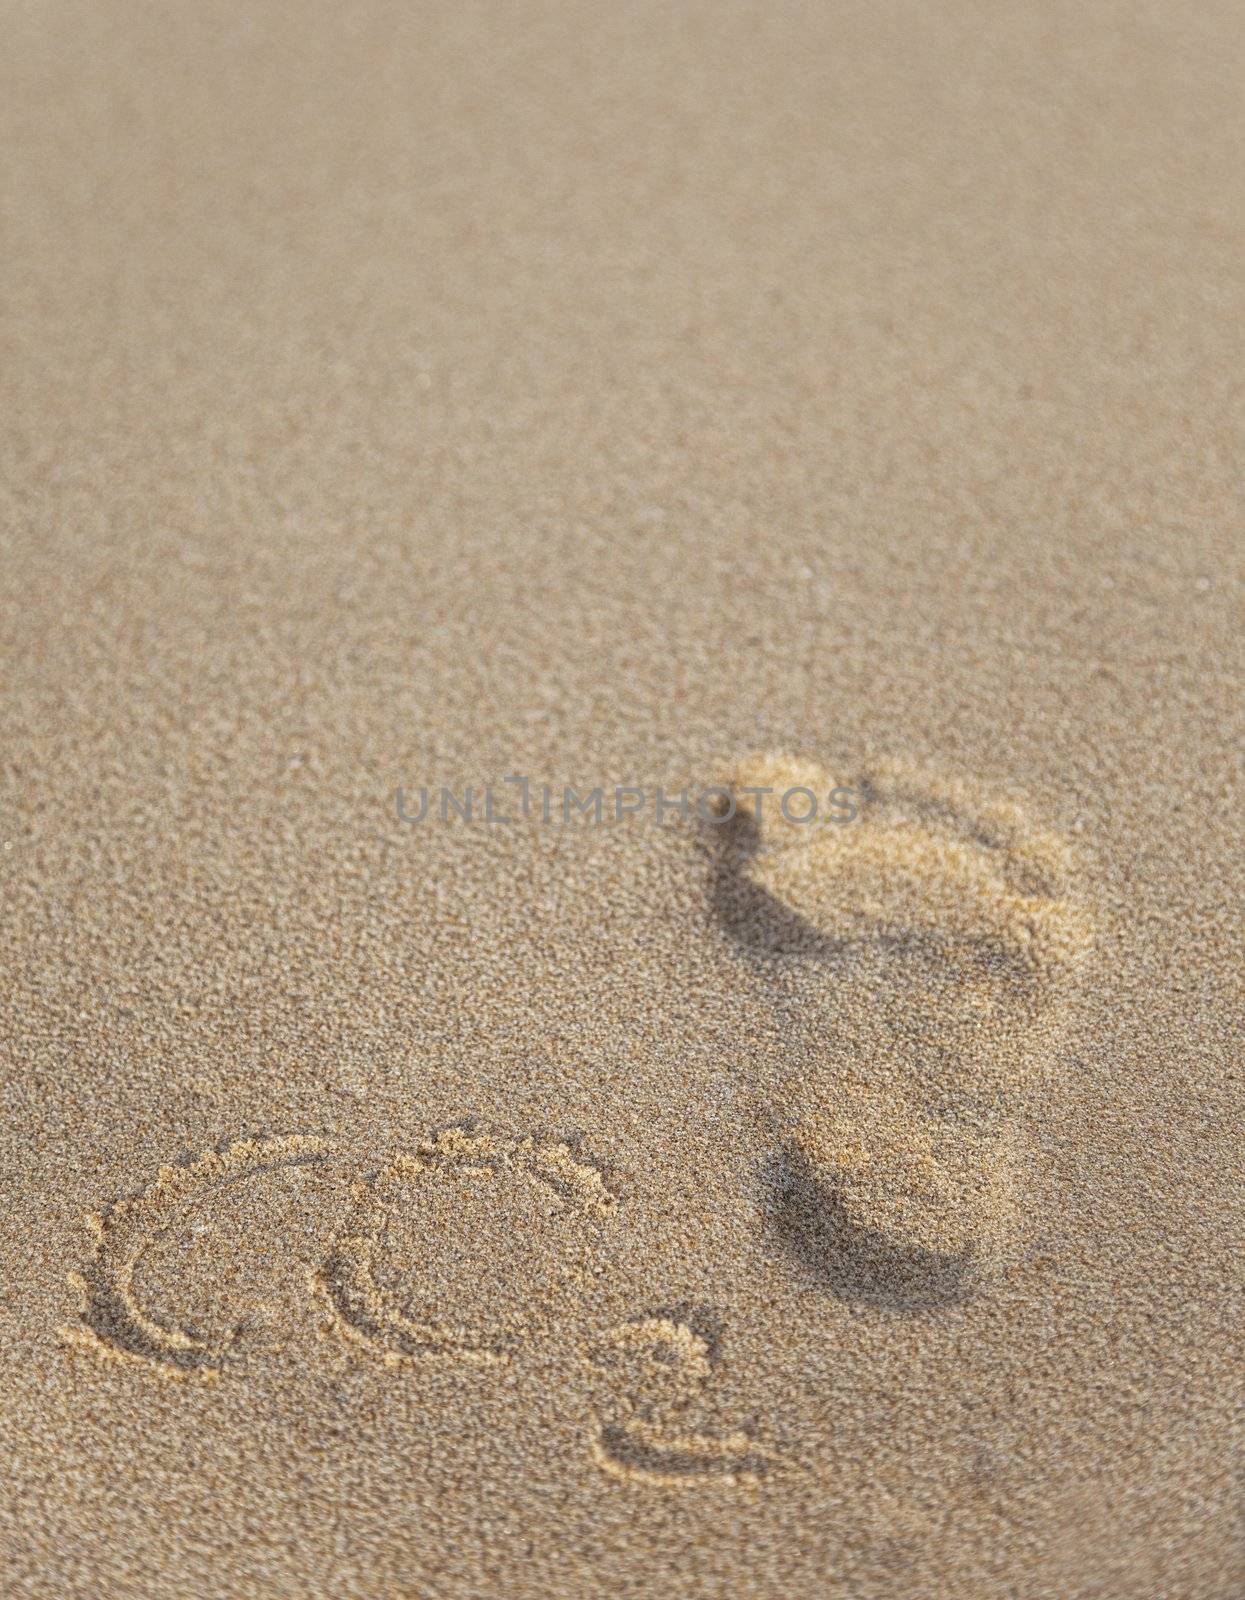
(834, 396)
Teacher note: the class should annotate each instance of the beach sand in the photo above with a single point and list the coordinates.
(700, 397)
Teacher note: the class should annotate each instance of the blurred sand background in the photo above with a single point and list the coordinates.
(397, 394)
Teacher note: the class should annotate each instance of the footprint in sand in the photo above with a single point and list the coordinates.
(658, 1370)
(917, 958)
(459, 1250)
(196, 1223)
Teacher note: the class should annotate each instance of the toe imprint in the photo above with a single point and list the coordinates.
(920, 863)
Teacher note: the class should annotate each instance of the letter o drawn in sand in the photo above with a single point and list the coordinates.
(454, 1169)
(114, 1324)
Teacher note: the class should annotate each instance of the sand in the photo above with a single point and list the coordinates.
(712, 397)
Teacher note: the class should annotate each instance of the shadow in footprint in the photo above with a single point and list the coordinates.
(757, 923)
(771, 936)
(853, 1263)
